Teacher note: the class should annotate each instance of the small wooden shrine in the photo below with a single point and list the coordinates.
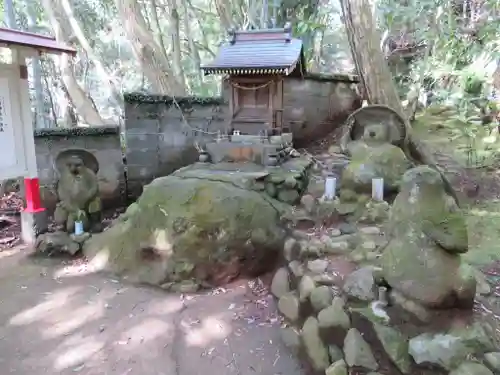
(255, 63)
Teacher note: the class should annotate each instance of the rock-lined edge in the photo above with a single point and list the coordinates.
(321, 327)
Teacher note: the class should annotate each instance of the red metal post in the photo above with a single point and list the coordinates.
(31, 183)
(32, 194)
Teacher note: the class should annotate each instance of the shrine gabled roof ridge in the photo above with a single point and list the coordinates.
(256, 32)
(264, 51)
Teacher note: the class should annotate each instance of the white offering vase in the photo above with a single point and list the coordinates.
(330, 188)
(378, 189)
(78, 228)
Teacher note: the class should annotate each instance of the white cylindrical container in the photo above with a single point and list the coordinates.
(330, 188)
(382, 295)
(78, 228)
(378, 189)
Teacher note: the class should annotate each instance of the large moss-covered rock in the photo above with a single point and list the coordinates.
(427, 232)
(469, 368)
(187, 227)
(357, 351)
(395, 345)
(383, 161)
(374, 157)
(449, 349)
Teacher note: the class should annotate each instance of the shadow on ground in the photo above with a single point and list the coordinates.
(62, 320)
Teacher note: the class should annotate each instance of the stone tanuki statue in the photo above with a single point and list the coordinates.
(427, 233)
(373, 156)
(78, 196)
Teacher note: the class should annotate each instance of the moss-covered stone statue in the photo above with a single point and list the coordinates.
(373, 156)
(427, 233)
(78, 196)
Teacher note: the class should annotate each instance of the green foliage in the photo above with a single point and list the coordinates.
(457, 66)
(473, 84)
(202, 27)
(140, 98)
(457, 60)
(75, 132)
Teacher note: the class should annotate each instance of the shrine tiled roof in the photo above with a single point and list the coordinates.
(268, 51)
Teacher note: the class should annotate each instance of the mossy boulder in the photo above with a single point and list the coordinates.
(375, 212)
(205, 229)
(467, 368)
(373, 156)
(449, 349)
(427, 232)
(375, 161)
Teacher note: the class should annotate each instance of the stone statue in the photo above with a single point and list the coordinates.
(427, 233)
(78, 196)
(373, 156)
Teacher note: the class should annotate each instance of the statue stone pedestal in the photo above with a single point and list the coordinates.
(33, 223)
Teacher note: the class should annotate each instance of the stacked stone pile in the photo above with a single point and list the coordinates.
(347, 311)
(310, 291)
(288, 181)
(337, 319)
(55, 243)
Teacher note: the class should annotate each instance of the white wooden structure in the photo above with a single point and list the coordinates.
(16, 125)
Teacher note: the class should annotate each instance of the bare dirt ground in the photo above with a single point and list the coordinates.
(59, 319)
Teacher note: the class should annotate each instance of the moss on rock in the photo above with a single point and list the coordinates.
(183, 228)
(427, 232)
(381, 161)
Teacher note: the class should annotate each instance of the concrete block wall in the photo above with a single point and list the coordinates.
(317, 105)
(160, 134)
(103, 142)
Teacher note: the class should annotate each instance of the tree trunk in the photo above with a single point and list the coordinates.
(224, 10)
(377, 79)
(155, 64)
(9, 14)
(40, 115)
(193, 49)
(82, 103)
(79, 98)
(159, 32)
(372, 68)
(82, 39)
(205, 46)
(45, 72)
(174, 22)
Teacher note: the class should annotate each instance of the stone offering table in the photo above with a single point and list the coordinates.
(263, 150)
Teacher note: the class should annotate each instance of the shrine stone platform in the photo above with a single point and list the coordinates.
(286, 182)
